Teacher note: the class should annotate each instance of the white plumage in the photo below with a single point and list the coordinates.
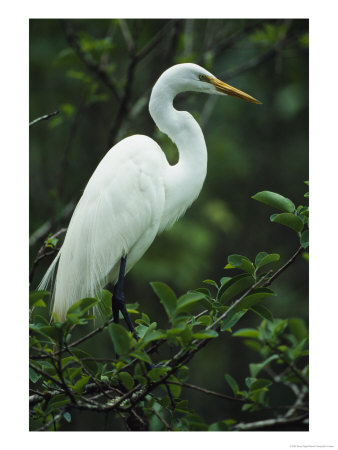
(134, 193)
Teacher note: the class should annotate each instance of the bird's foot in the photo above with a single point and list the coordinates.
(119, 304)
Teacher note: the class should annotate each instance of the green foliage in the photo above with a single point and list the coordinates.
(275, 200)
(269, 34)
(68, 373)
(295, 218)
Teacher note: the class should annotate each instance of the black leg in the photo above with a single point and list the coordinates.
(118, 303)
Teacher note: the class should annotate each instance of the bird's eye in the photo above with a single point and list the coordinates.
(204, 78)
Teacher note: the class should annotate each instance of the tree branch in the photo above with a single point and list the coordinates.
(291, 366)
(286, 265)
(165, 423)
(42, 254)
(45, 117)
(87, 59)
(130, 399)
(269, 423)
(209, 392)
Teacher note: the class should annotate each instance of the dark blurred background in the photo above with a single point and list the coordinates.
(251, 148)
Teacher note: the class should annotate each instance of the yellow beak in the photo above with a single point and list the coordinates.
(229, 90)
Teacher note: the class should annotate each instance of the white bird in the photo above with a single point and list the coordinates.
(134, 194)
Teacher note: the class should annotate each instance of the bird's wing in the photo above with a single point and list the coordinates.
(118, 214)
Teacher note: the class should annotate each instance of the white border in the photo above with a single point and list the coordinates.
(14, 220)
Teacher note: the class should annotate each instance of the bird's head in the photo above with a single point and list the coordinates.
(191, 77)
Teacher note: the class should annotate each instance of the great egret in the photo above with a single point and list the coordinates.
(134, 194)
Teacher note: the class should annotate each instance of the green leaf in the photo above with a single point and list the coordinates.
(252, 344)
(36, 328)
(259, 384)
(256, 368)
(82, 306)
(80, 384)
(186, 335)
(68, 109)
(189, 301)
(195, 422)
(166, 295)
(249, 381)
(240, 262)
(83, 356)
(223, 425)
(304, 239)
(104, 304)
(259, 257)
(231, 319)
(204, 320)
(51, 332)
(175, 389)
(40, 304)
(269, 34)
(120, 337)
(183, 374)
(177, 330)
(150, 335)
(212, 282)
(76, 74)
(232, 383)
(267, 259)
(67, 416)
(275, 200)
(257, 295)
(127, 380)
(142, 356)
(303, 211)
(289, 220)
(246, 332)
(33, 376)
(182, 406)
(298, 328)
(224, 280)
(235, 286)
(205, 334)
(262, 311)
(157, 373)
(56, 402)
(279, 326)
(36, 297)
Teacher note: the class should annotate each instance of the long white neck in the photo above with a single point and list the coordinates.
(183, 181)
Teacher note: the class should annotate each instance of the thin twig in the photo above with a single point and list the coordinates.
(162, 419)
(286, 265)
(127, 35)
(269, 423)
(42, 254)
(251, 288)
(290, 365)
(138, 392)
(209, 392)
(46, 375)
(47, 226)
(51, 422)
(156, 39)
(45, 117)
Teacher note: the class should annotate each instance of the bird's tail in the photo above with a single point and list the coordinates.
(48, 280)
